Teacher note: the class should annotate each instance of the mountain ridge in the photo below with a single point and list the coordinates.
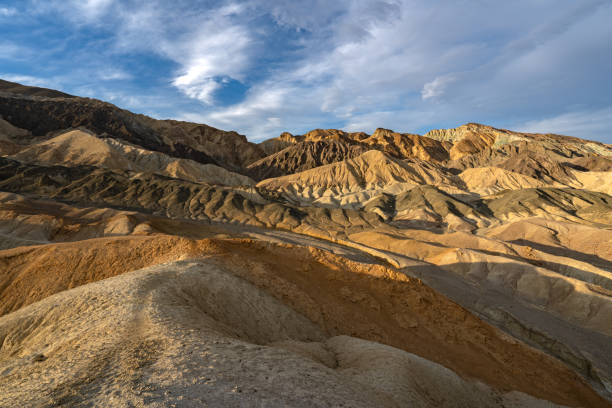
(454, 239)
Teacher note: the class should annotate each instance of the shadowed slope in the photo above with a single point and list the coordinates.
(56, 112)
(78, 147)
(303, 156)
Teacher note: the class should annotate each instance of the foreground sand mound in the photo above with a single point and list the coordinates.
(78, 147)
(327, 290)
(29, 274)
(194, 333)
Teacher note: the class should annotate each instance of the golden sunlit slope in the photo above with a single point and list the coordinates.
(354, 181)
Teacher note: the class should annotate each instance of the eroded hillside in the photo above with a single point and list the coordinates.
(464, 267)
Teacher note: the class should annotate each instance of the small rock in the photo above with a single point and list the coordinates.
(38, 358)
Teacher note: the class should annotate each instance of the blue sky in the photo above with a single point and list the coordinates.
(263, 67)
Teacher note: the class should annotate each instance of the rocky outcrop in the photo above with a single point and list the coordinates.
(18, 89)
(354, 181)
(303, 156)
(44, 115)
(78, 147)
(407, 145)
(277, 144)
(538, 166)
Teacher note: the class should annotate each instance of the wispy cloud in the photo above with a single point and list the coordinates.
(595, 124)
(435, 88)
(27, 79)
(218, 49)
(114, 74)
(7, 11)
(79, 12)
(209, 44)
(403, 64)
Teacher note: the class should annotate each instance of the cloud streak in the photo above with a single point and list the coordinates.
(7, 11)
(589, 124)
(404, 64)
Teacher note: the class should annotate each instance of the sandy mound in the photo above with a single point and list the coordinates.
(426, 206)
(327, 290)
(398, 145)
(581, 242)
(491, 180)
(11, 133)
(18, 89)
(600, 181)
(193, 333)
(471, 138)
(29, 274)
(24, 221)
(559, 204)
(569, 297)
(78, 147)
(538, 166)
(47, 112)
(10, 137)
(592, 162)
(356, 180)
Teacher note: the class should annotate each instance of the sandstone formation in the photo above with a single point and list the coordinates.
(150, 262)
(303, 156)
(82, 148)
(43, 112)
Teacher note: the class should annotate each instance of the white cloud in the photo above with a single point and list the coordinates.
(202, 88)
(366, 63)
(114, 74)
(92, 8)
(435, 88)
(260, 113)
(9, 50)
(208, 44)
(208, 56)
(79, 12)
(7, 11)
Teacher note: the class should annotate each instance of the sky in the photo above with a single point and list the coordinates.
(264, 67)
